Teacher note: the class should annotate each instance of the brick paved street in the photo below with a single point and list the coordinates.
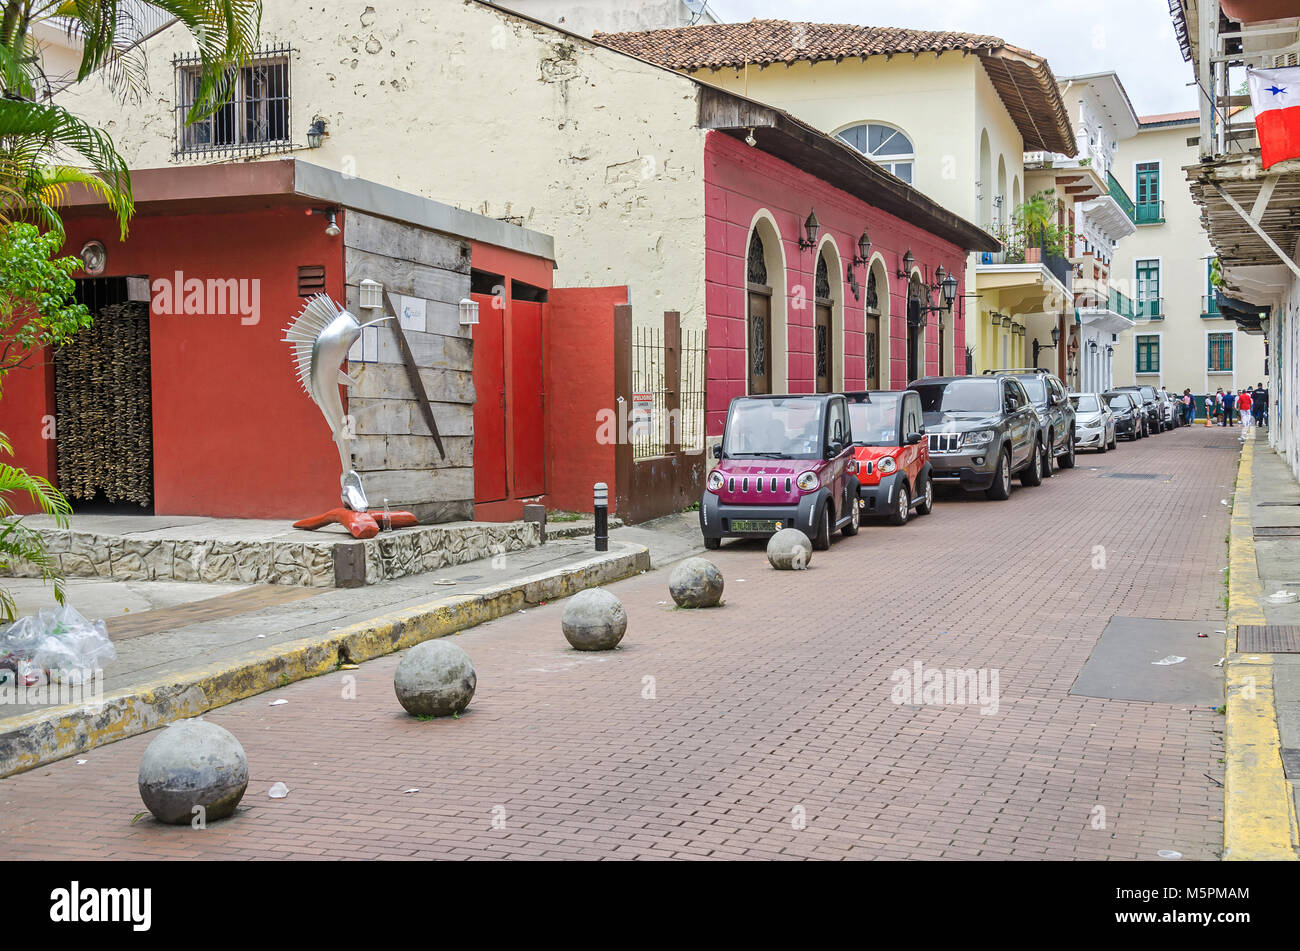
(776, 706)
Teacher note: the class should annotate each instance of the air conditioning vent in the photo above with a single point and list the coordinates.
(311, 280)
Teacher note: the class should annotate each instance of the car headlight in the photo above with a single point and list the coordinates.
(808, 481)
(886, 465)
(980, 437)
(715, 481)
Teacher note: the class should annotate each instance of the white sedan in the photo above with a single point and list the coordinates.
(1094, 424)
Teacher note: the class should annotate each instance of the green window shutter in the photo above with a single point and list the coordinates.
(1149, 206)
(1148, 353)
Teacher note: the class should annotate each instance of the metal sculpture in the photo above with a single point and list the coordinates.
(321, 337)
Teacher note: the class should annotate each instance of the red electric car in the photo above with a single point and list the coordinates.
(893, 454)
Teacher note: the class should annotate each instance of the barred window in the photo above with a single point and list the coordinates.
(254, 119)
(1219, 359)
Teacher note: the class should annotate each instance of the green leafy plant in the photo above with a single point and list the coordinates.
(37, 309)
(18, 542)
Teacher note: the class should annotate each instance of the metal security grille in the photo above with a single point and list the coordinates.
(103, 401)
(1268, 638)
(255, 118)
(1220, 353)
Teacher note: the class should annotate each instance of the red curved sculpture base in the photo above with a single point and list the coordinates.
(360, 525)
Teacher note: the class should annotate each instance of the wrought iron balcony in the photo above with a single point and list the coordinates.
(1121, 197)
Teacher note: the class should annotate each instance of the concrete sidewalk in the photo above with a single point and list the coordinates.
(1263, 687)
(184, 648)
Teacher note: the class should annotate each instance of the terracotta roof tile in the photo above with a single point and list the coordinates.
(1023, 80)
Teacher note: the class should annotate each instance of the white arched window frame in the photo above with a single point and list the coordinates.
(886, 145)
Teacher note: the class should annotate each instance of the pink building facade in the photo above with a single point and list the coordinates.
(847, 331)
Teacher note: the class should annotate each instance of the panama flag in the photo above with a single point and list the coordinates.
(1275, 94)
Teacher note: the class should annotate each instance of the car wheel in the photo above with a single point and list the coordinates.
(1104, 445)
(902, 506)
(1001, 487)
(1067, 461)
(1114, 442)
(1033, 473)
(822, 541)
(712, 544)
(926, 504)
(855, 519)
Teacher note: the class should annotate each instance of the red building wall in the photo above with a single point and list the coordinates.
(739, 183)
(234, 435)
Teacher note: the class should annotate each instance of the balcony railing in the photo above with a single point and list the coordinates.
(1060, 267)
(1150, 213)
(1122, 305)
(1121, 198)
(1152, 309)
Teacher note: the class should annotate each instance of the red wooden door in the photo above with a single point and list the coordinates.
(490, 402)
(527, 400)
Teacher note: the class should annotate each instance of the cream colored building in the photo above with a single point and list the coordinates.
(618, 188)
(1179, 341)
(951, 113)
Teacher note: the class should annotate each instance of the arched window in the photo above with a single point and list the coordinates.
(757, 264)
(886, 146)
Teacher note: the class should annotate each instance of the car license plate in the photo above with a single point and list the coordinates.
(755, 525)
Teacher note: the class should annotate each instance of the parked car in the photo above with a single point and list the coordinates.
(1171, 408)
(893, 454)
(785, 462)
(1150, 402)
(1094, 422)
(982, 431)
(1130, 420)
(1055, 412)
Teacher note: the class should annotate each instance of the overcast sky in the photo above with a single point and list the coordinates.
(1135, 38)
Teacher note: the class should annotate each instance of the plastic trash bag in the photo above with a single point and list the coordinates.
(59, 639)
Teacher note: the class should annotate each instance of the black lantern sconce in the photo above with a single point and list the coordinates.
(946, 284)
(316, 133)
(1040, 347)
(863, 256)
(908, 262)
(811, 228)
(1092, 346)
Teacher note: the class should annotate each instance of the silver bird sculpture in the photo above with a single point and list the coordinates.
(321, 337)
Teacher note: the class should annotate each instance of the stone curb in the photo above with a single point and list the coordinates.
(1259, 821)
(49, 735)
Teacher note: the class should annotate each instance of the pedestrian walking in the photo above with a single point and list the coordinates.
(1244, 404)
(1259, 404)
(1189, 408)
(1229, 407)
(1209, 409)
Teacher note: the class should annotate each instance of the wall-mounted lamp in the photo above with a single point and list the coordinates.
(1039, 347)
(1006, 321)
(851, 276)
(811, 228)
(864, 250)
(908, 261)
(331, 214)
(94, 257)
(372, 295)
(316, 133)
(468, 312)
(1092, 346)
(750, 140)
(1110, 351)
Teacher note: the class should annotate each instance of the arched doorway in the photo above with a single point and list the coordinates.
(759, 310)
(828, 320)
(915, 329)
(877, 328)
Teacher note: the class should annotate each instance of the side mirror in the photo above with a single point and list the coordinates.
(834, 449)
(717, 451)
(913, 439)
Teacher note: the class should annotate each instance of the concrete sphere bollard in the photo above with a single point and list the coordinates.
(696, 583)
(594, 620)
(193, 763)
(789, 550)
(435, 679)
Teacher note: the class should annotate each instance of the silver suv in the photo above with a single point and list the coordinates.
(982, 430)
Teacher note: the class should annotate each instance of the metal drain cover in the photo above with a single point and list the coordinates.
(1134, 475)
(1262, 504)
(1291, 764)
(1277, 531)
(1268, 638)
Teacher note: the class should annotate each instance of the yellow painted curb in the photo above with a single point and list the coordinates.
(1259, 820)
(48, 735)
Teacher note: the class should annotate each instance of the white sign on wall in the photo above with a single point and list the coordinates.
(412, 315)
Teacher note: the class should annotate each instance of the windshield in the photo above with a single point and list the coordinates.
(959, 396)
(1149, 393)
(875, 423)
(781, 428)
(1034, 384)
(1086, 403)
(1119, 401)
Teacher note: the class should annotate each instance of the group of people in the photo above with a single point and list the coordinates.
(1226, 408)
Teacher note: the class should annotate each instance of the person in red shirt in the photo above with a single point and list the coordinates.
(1243, 406)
